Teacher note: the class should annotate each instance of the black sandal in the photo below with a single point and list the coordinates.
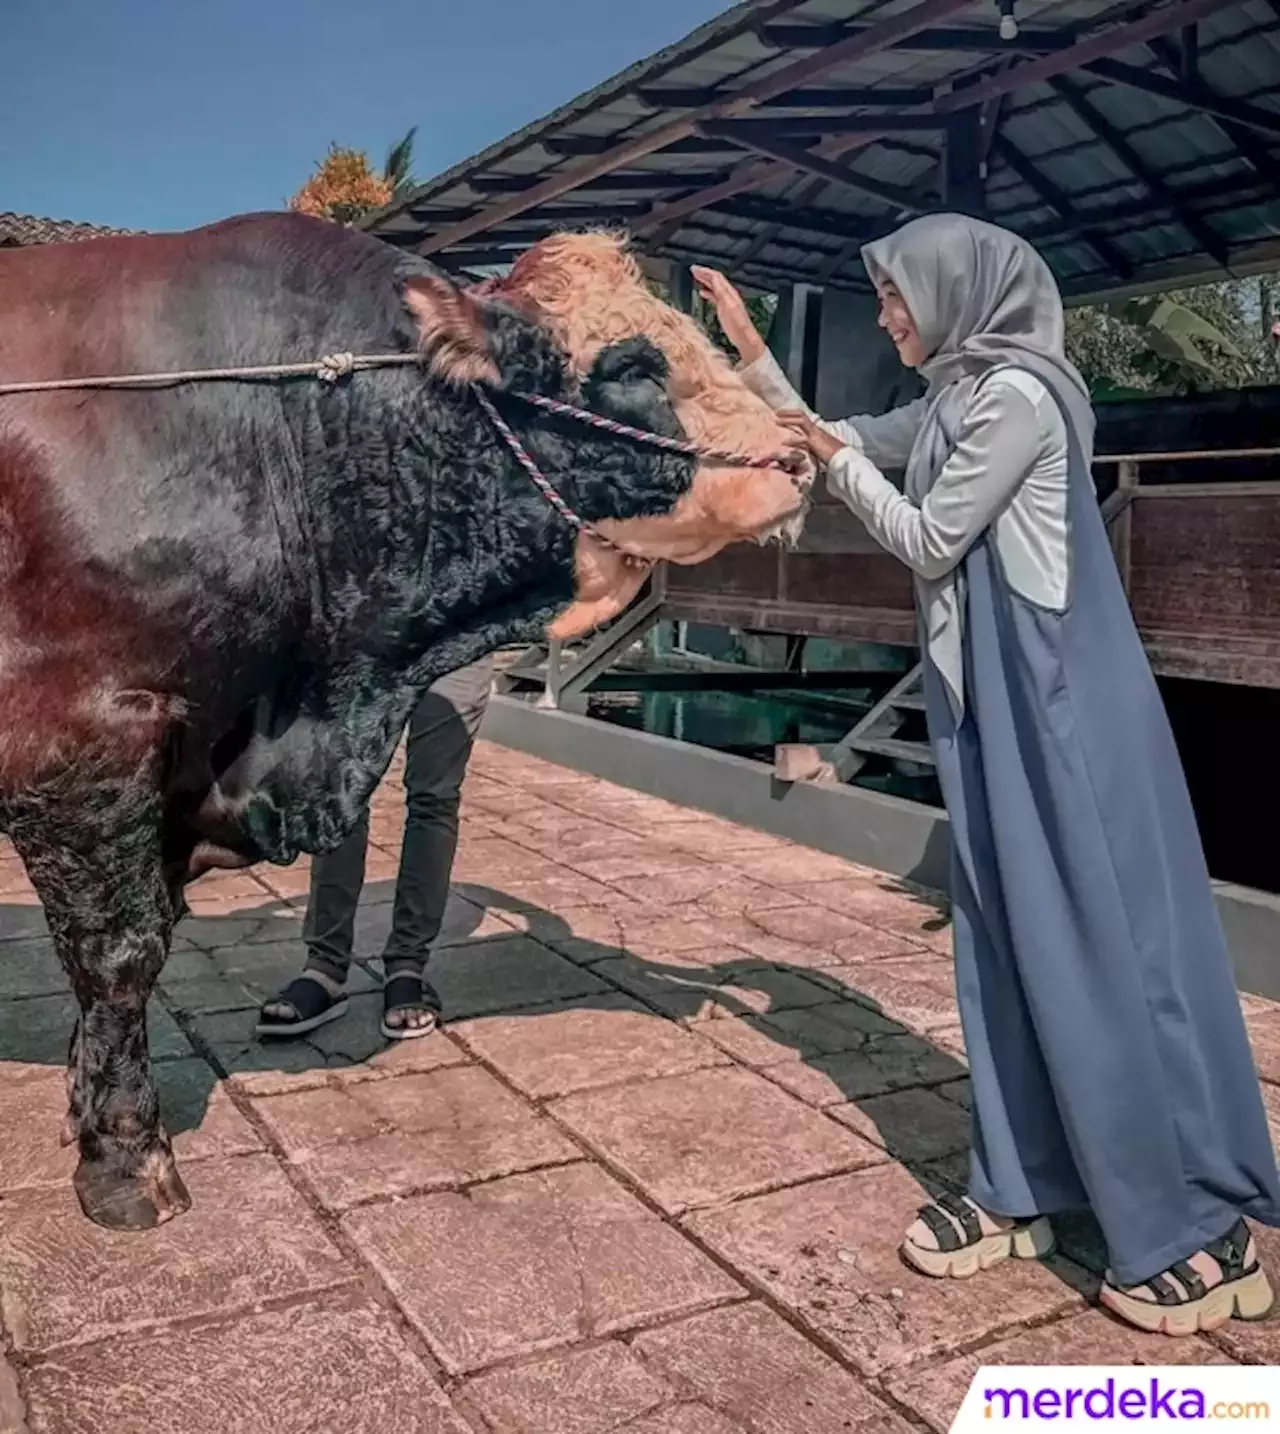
(314, 1005)
(411, 994)
(964, 1248)
(1184, 1304)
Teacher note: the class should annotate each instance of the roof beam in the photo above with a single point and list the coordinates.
(549, 214)
(1247, 141)
(804, 99)
(1097, 123)
(1084, 52)
(809, 162)
(575, 146)
(631, 182)
(666, 217)
(1053, 198)
(872, 40)
(1195, 96)
(767, 233)
(813, 127)
(980, 40)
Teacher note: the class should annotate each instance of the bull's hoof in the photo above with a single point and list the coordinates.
(111, 1197)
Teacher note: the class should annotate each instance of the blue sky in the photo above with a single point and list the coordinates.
(163, 114)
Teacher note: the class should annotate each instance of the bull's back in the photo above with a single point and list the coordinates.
(140, 530)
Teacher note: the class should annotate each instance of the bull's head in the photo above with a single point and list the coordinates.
(589, 291)
(642, 361)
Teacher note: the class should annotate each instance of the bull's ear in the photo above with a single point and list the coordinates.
(451, 324)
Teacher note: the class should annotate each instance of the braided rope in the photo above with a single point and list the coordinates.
(540, 482)
(332, 367)
(654, 440)
(329, 369)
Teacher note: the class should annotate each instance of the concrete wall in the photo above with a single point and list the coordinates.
(858, 367)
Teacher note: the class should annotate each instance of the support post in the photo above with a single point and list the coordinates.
(963, 170)
(1117, 512)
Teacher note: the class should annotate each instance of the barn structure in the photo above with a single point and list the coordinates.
(1138, 146)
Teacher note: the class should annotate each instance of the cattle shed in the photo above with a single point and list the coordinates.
(1137, 145)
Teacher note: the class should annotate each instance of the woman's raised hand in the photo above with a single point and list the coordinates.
(730, 310)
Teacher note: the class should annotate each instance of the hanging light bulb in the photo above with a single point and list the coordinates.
(1008, 24)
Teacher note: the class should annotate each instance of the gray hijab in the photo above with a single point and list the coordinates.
(981, 299)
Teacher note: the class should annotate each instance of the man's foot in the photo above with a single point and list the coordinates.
(955, 1238)
(1221, 1282)
(410, 1008)
(308, 1001)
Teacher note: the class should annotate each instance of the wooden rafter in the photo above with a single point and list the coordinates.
(1099, 125)
(876, 37)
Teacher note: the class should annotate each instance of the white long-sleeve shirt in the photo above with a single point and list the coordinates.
(1007, 472)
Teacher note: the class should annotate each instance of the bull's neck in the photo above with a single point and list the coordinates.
(426, 532)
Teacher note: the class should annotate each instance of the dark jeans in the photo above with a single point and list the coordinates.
(441, 733)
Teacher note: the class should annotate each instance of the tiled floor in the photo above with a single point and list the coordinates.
(652, 1177)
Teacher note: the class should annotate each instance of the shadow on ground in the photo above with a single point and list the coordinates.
(499, 954)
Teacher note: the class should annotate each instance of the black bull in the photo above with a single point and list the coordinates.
(219, 601)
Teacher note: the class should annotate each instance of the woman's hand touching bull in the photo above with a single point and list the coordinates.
(730, 310)
(810, 436)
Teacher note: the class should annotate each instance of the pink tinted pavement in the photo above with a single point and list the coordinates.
(651, 1176)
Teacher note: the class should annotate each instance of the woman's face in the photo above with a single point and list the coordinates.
(900, 326)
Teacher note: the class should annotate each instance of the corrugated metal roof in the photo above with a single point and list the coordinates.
(1146, 156)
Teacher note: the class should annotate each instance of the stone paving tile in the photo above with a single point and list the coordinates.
(734, 895)
(751, 1367)
(712, 836)
(764, 934)
(886, 1063)
(691, 884)
(793, 866)
(695, 1418)
(463, 921)
(879, 901)
(22, 918)
(919, 992)
(248, 1237)
(530, 1263)
(504, 974)
(590, 1391)
(263, 968)
(198, 1114)
(720, 984)
(390, 1138)
(618, 861)
(910, 1125)
(12, 1409)
(829, 1251)
(872, 1064)
(1264, 1036)
(714, 1135)
(612, 1040)
(936, 1393)
(273, 921)
(37, 1031)
(29, 967)
(337, 1364)
(350, 1049)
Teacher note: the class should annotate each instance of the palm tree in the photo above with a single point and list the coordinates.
(398, 170)
(344, 186)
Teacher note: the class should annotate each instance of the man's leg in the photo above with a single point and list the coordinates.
(316, 996)
(442, 732)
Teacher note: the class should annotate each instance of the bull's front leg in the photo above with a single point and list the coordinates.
(111, 913)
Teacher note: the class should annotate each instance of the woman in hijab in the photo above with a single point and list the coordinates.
(1109, 1058)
